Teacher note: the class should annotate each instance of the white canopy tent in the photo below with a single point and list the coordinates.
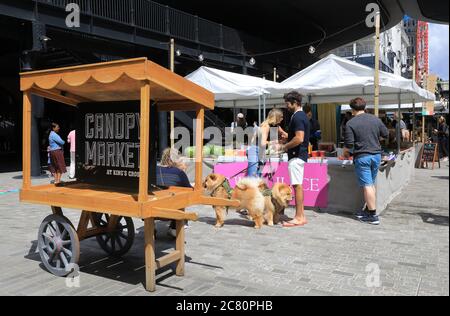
(338, 80)
(229, 86)
(234, 90)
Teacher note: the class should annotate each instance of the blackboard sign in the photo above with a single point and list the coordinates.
(430, 154)
(108, 141)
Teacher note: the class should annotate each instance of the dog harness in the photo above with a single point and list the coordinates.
(226, 185)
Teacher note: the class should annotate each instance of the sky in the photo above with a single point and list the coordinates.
(438, 50)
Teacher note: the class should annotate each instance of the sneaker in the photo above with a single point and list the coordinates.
(362, 213)
(371, 219)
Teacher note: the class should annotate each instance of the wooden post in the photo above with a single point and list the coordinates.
(180, 247)
(377, 65)
(144, 145)
(150, 261)
(199, 132)
(172, 113)
(26, 143)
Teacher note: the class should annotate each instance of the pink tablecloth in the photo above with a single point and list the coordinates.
(315, 184)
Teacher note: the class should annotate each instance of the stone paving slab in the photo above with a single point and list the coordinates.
(333, 255)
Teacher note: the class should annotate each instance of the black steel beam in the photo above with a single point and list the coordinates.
(108, 29)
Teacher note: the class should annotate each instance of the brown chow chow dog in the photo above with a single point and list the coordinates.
(276, 201)
(247, 192)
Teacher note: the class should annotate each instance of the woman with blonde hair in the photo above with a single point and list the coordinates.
(170, 158)
(260, 142)
(171, 172)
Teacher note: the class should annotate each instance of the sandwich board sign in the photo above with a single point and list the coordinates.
(430, 154)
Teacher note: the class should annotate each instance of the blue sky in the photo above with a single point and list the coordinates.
(438, 46)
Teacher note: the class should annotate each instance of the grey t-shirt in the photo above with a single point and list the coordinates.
(363, 133)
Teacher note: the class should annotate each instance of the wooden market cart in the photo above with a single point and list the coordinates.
(106, 213)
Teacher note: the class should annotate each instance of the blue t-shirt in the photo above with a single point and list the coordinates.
(299, 122)
(171, 177)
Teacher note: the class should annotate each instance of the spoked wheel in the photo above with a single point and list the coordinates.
(119, 240)
(58, 244)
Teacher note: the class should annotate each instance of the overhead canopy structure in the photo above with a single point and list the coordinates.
(330, 22)
(337, 80)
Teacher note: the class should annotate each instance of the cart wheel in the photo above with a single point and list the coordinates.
(119, 241)
(58, 244)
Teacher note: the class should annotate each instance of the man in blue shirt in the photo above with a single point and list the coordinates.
(297, 149)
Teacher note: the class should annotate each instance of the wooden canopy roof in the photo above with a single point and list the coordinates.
(115, 81)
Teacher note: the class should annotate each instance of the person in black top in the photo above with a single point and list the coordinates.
(297, 149)
(315, 132)
(442, 133)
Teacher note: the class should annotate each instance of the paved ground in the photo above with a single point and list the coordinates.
(333, 255)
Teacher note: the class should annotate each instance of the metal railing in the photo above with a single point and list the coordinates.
(152, 16)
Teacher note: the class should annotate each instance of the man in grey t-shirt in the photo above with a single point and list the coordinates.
(362, 137)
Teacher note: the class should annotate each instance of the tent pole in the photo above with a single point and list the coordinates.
(399, 118)
(234, 114)
(259, 110)
(377, 64)
(264, 105)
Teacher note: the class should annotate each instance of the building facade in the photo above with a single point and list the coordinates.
(418, 34)
(394, 46)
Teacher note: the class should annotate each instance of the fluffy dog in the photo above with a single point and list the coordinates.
(247, 192)
(276, 201)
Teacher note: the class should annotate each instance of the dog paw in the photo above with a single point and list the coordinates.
(218, 226)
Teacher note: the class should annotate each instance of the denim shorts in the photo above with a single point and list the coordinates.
(367, 167)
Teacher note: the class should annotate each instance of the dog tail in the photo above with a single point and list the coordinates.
(248, 183)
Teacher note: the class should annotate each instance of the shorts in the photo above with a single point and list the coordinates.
(366, 168)
(297, 171)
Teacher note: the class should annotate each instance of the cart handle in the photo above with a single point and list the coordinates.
(178, 215)
(206, 200)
